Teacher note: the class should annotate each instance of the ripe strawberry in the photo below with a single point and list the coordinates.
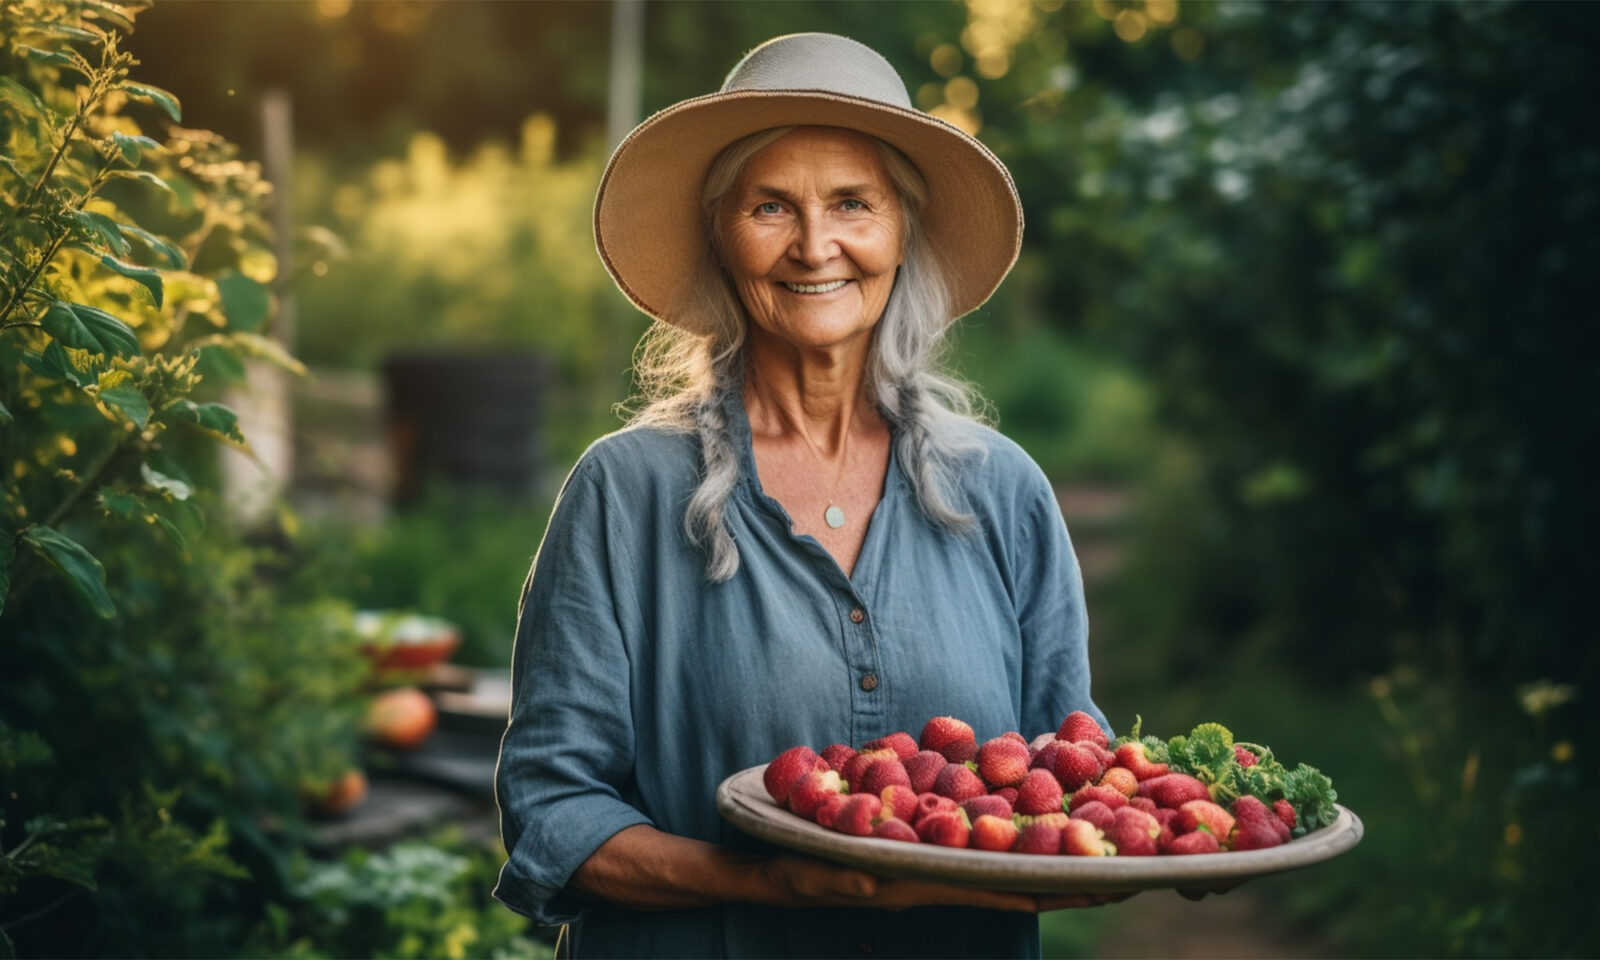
(1014, 735)
(1106, 795)
(948, 829)
(1134, 832)
(961, 751)
(1041, 838)
(857, 765)
(1096, 813)
(896, 829)
(1041, 741)
(1257, 827)
(837, 755)
(787, 767)
(857, 815)
(958, 782)
(994, 833)
(1056, 818)
(1143, 803)
(899, 801)
(988, 804)
(1039, 793)
(1122, 780)
(928, 803)
(1009, 795)
(923, 767)
(942, 731)
(1204, 813)
(1077, 765)
(1245, 757)
(1173, 790)
(1045, 757)
(1132, 756)
(811, 790)
(1080, 726)
(1107, 758)
(1002, 762)
(828, 813)
(1190, 843)
(879, 774)
(900, 742)
(1080, 838)
(1285, 811)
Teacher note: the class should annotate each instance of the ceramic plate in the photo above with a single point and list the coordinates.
(743, 801)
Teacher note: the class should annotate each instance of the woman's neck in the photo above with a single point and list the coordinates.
(817, 394)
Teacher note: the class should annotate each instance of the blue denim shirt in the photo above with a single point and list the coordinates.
(638, 685)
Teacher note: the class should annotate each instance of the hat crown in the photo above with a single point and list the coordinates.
(819, 61)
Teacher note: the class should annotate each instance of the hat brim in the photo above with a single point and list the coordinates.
(647, 222)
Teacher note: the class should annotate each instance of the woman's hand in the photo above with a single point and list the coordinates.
(799, 881)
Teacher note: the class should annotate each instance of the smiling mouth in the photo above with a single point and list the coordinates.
(828, 287)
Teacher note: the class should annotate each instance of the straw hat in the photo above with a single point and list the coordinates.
(647, 223)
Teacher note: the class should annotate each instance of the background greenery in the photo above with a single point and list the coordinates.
(1303, 286)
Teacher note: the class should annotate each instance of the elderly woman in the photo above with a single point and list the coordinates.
(804, 536)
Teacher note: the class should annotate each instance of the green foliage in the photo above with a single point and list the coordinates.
(417, 899)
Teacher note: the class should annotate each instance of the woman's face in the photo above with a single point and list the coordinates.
(812, 232)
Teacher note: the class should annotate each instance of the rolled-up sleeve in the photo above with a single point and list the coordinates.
(566, 759)
(1051, 612)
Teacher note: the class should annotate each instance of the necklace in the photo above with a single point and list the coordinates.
(833, 516)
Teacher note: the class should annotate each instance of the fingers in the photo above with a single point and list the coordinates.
(1073, 901)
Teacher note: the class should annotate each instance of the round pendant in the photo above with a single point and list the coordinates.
(835, 517)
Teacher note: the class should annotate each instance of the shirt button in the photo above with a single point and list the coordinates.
(869, 682)
(857, 615)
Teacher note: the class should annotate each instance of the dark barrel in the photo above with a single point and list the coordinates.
(464, 417)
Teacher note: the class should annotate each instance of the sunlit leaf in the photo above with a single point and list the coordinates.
(133, 147)
(255, 345)
(245, 301)
(156, 95)
(221, 363)
(144, 176)
(54, 364)
(68, 31)
(172, 486)
(110, 13)
(15, 93)
(166, 248)
(104, 228)
(77, 564)
(130, 400)
(146, 276)
(90, 328)
(5, 415)
(212, 417)
(56, 58)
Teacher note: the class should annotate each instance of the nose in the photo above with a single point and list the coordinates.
(814, 242)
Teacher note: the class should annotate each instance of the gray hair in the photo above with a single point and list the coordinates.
(686, 372)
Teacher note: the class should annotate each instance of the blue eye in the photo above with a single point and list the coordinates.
(770, 207)
(853, 204)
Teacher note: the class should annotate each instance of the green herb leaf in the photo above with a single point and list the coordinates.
(212, 417)
(1311, 794)
(98, 225)
(156, 95)
(119, 503)
(90, 328)
(245, 301)
(254, 345)
(55, 364)
(133, 147)
(131, 401)
(77, 564)
(171, 251)
(145, 176)
(56, 58)
(146, 276)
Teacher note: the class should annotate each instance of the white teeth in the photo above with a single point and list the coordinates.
(815, 287)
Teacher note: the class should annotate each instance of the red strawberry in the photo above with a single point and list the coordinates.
(1173, 790)
(1002, 762)
(1039, 793)
(942, 731)
(1257, 827)
(1042, 838)
(1122, 780)
(1190, 843)
(1077, 765)
(987, 804)
(1245, 757)
(837, 755)
(857, 815)
(1041, 741)
(1080, 726)
(1045, 757)
(896, 829)
(879, 774)
(994, 833)
(1014, 735)
(828, 813)
(1107, 758)
(928, 803)
(899, 801)
(812, 790)
(1132, 756)
(1204, 813)
(1285, 811)
(961, 751)
(923, 768)
(958, 782)
(1080, 838)
(1106, 795)
(1009, 795)
(1096, 813)
(900, 742)
(787, 767)
(947, 829)
(857, 765)
(1143, 803)
(1134, 832)
(1055, 818)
